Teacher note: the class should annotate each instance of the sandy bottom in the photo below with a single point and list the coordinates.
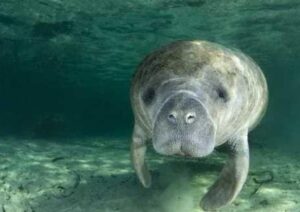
(95, 174)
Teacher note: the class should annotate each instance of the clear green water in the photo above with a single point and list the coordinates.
(75, 60)
(66, 66)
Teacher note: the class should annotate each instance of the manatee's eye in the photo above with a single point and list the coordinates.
(222, 94)
(148, 96)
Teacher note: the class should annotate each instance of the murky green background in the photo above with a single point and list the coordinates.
(65, 66)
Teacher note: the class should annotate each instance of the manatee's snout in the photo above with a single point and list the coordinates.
(183, 127)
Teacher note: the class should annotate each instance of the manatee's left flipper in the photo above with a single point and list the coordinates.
(233, 175)
(138, 151)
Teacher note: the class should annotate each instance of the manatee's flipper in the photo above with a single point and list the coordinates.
(138, 150)
(233, 175)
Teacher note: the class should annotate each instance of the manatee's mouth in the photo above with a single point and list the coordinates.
(189, 148)
(184, 154)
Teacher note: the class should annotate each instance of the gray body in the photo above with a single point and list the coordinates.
(191, 96)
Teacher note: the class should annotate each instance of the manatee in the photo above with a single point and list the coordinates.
(189, 97)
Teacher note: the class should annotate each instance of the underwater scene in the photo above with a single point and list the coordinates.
(80, 102)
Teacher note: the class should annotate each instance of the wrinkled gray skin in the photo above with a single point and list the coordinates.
(191, 96)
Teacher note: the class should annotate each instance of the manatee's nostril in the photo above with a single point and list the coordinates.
(172, 117)
(190, 118)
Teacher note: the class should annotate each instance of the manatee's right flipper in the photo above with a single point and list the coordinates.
(233, 175)
(138, 150)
